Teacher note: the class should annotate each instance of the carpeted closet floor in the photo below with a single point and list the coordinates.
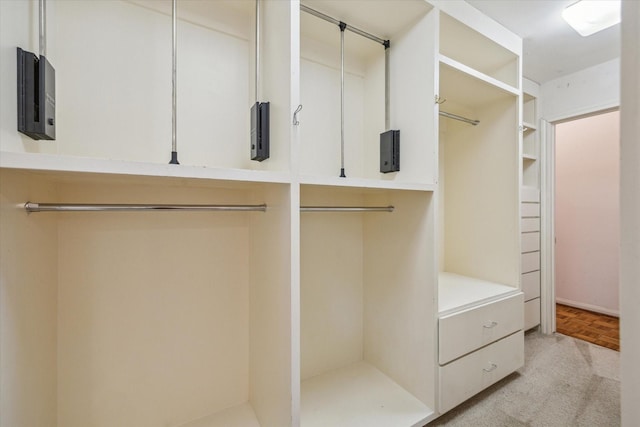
(565, 382)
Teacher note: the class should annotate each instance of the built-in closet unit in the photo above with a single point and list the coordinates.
(530, 208)
(367, 322)
(304, 298)
(148, 318)
(479, 300)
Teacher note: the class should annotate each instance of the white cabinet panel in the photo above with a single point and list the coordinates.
(531, 285)
(530, 262)
(530, 194)
(468, 330)
(528, 225)
(471, 374)
(529, 210)
(530, 242)
(531, 313)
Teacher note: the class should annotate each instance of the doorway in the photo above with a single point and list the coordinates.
(586, 217)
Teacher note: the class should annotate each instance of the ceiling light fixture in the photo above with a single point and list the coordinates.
(590, 16)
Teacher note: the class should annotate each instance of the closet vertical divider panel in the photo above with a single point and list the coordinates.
(274, 319)
(270, 307)
(28, 304)
(399, 293)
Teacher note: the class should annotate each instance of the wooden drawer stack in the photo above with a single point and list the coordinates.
(530, 240)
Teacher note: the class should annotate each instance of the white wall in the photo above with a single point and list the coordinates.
(630, 213)
(587, 212)
(593, 89)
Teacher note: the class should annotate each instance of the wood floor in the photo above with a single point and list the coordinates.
(586, 325)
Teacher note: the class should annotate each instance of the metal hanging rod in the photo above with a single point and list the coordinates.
(257, 51)
(98, 207)
(346, 208)
(343, 26)
(460, 118)
(42, 15)
(86, 207)
(174, 83)
(348, 27)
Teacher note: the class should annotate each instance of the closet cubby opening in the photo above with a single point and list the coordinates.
(145, 318)
(411, 89)
(479, 190)
(367, 318)
(468, 46)
(215, 80)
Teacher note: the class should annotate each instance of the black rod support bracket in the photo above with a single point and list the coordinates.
(342, 25)
(386, 44)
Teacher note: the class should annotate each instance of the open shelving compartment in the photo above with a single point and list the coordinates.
(411, 77)
(116, 103)
(478, 168)
(367, 309)
(530, 169)
(144, 318)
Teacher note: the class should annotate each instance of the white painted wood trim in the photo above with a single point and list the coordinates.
(630, 213)
(547, 229)
(589, 307)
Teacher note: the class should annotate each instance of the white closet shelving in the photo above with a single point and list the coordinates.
(530, 198)
(282, 318)
(411, 82)
(479, 300)
(366, 352)
(136, 310)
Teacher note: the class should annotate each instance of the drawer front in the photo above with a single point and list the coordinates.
(531, 313)
(531, 285)
(530, 210)
(529, 194)
(530, 242)
(471, 374)
(528, 225)
(530, 262)
(466, 331)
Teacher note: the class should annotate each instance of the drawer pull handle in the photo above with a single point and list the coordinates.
(490, 325)
(491, 369)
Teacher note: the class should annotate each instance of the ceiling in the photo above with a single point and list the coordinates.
(551, 47)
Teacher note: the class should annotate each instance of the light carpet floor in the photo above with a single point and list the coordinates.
(565, 382)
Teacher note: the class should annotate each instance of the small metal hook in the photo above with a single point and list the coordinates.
(296, 122)
(440, 100)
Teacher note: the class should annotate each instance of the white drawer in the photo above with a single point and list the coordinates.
(530, 242)
(530, 262)
(473, 373)
(531, 313)
(531, 285)
(530, 194)
(529, 224)
(465, 331)
(529, 210)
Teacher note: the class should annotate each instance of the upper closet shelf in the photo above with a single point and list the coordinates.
(466, 87)
(464, 39)
(61, 163)
(364, 183)
(528, 127)
(471, 72)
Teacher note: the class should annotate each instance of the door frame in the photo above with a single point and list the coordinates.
(547, 209)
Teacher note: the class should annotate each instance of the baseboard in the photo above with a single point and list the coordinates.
(595, 308)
